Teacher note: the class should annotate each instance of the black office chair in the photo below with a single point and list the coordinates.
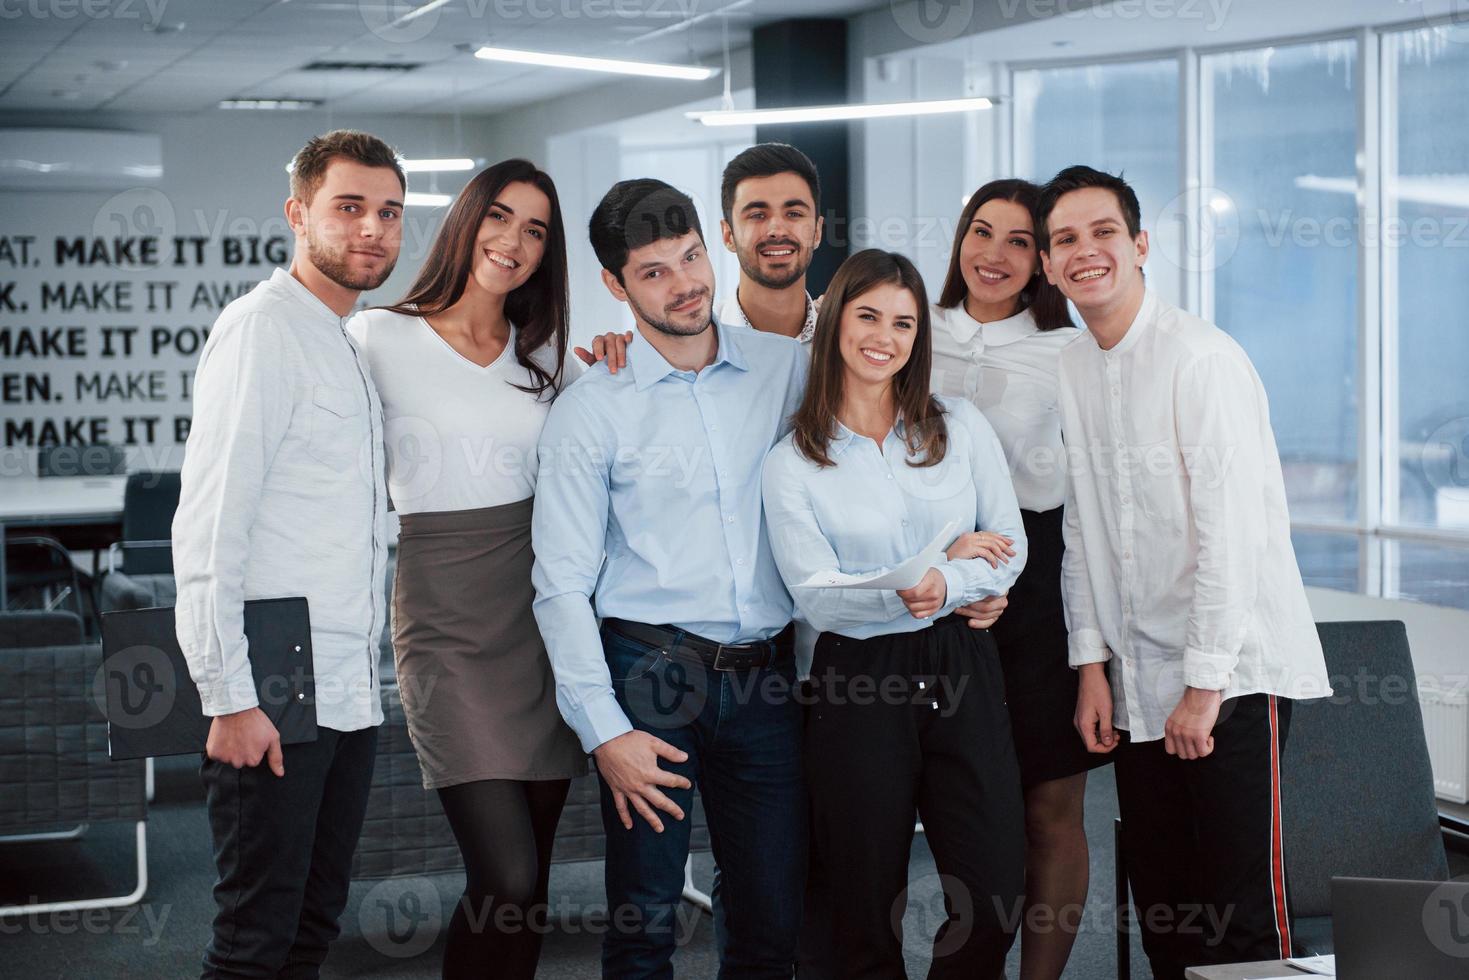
(37, 628)
(140, 566)
(1356, 787)
(39, 575)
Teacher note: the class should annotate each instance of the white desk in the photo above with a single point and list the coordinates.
(1244, 971)
(58, 501)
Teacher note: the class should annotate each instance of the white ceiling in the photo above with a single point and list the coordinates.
(187, 55)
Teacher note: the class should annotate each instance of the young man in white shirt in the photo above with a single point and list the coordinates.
(771, 198)
(283, 496)
(1187, 616)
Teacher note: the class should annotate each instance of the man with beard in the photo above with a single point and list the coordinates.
(283, 496)
(657, 467)
(771, 199)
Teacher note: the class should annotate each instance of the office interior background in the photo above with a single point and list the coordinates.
(1303, 169)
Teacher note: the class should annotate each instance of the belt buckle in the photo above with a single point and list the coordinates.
(719, 656)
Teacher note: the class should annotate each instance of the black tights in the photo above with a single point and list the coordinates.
(505, 829)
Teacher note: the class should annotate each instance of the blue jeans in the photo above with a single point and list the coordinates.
(742, 733)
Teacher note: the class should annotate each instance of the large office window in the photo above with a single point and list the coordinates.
(1122, 118)
(1279, 157)
(1426, 251)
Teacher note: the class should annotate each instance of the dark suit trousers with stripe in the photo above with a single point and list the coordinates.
(1202, 841)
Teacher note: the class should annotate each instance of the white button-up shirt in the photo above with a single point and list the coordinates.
(283, 496)
(732, 314)
(1178, 565)
(1007, 369)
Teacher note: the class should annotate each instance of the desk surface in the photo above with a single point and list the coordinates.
(32, 500)
(1244, 971)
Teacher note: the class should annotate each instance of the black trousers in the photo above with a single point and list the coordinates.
(283, 848)
(1202, 840)
(900, 726)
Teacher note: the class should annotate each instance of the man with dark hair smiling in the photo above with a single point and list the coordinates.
(771, 200)
(283, 495)
(657, 468)
(1187, 616)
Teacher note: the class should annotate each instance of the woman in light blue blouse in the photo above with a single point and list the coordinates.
(907, 713)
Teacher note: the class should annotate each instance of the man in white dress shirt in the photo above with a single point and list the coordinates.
(283, 496)
(771, 198)
(1187, 616)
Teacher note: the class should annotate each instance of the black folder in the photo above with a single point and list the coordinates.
(153, 707)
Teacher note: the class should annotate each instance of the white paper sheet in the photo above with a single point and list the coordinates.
(904, 576)
(1321, 965)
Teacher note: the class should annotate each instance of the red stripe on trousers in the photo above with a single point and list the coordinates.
(1277, 847)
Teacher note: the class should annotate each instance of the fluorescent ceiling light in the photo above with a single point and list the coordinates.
(692, 73)
(269, 103)
(436, 166)
(420, 199)
(837, 113)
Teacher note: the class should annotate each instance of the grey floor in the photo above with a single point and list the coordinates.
(391, 929)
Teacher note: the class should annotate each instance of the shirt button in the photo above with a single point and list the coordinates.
(729, 520)
(890, 476)
(905, 523)
(740, 561)
(1116, 390)
(1126, 499)
(1127, 555)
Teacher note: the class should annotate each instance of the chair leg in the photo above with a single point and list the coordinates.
(1124, 906)
(691, 893)
(71, 834)
(115, 901)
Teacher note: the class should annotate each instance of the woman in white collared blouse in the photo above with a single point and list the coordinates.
(906, 714)
(999, 327)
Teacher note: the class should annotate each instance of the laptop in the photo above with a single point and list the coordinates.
(1400, 930)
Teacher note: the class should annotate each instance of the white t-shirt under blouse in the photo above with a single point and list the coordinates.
(1007, 369)
(459, 436)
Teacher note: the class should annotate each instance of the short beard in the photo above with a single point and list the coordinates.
(332, 263)
(750, 266)
(667, 327)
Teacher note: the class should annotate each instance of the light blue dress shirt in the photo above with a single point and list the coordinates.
(872, 511)
(659, 470)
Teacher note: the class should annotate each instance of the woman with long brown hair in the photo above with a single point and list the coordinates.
(467, 365)
(907, 714)
(999, 327)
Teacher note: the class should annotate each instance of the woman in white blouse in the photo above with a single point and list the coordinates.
(999, 327)
(467, 365)
(906, 713)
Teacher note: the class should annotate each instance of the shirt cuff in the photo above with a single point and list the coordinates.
(599, 720)
(955, 583)
(229, 695)
(1087, 647)
(893, 604)
(1206, 672)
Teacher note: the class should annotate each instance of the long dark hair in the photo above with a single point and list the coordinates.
(539, 307)
(815, 421)
(1045, 301)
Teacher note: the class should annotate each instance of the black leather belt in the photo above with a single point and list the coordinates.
(691, 646)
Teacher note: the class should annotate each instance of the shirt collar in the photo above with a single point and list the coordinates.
(963, 327)
(293, 287)
(1145, 315)
(650, 367)
(734, 313)
(844, 437)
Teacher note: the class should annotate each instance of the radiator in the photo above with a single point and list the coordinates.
(1446, 723)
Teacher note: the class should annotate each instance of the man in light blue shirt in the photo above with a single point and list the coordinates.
(657, 468)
